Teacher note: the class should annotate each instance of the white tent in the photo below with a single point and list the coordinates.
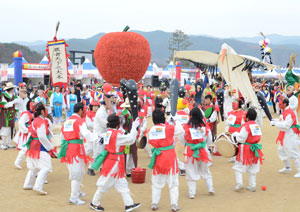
(166, 73)
(44, 60)
(149, 72)
(89, 70)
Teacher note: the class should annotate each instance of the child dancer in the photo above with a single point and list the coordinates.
(113, 159)
(197, 134)
(249, 155)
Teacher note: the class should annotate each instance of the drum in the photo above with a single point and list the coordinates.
(226, 146)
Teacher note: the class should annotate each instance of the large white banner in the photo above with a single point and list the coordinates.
(4, 72)
(58, 59)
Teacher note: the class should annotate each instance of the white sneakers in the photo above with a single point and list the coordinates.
(3, 147)
(239, 187)
(77, 201)
(191, 196)
(297, 175)
(41, 192)
(251, 188)
(285, 170)
(18, 166)
(231, 160)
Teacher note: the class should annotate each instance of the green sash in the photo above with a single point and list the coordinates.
(196, 148)
(235, 125)
(296, 126)
(254, 148)
(29, 142)
(101, 157)
(156, 152)
(64, 146)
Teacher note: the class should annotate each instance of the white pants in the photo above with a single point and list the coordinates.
(57, 120)
(252, 171)
(148, 150)
(180, 164)
(40, 168)
(290, 148)
(194, 172)
(289, 151)
(5, 133)
(129, 163)
(76, 173)
(239, 179)
(97, 149)
(120, 184)
(88, 147)
(21, 156)
(159, 181)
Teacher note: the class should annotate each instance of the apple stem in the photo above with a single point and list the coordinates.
(126, 29)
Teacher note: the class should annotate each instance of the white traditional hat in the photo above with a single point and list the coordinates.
(125, 104)
(9, 85)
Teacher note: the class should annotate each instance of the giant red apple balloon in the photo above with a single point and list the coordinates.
(122, 55)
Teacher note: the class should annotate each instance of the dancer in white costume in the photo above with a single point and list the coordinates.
(288, 139)
(40, 151)
(72, 151)
(196, 137)
(249, 155)
(113, 159)
(22, 135)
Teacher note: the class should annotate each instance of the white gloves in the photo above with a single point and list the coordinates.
(272, 123)
(136, 123)
(9, 104)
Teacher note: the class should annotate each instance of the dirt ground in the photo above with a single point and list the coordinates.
(282, 194)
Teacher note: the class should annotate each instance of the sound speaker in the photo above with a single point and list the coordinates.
(155, 81)
(46, 79)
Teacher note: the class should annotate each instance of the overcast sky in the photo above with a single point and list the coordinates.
(30, 20)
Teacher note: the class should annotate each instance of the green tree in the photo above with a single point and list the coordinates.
(179, 41)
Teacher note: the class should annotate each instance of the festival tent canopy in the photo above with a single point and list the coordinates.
(166, 73)
(70, 65)
(87, 65)
(44, 60)
(149, 72)
(89, 70)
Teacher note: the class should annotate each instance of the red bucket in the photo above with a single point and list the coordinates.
(138, 175)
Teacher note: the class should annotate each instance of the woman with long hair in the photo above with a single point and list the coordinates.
(39, 153)
(197, 135)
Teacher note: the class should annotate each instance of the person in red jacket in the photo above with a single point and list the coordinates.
(164, 161)
(72, 150)
(249, 156)
(197, 134)
(288, 138)
(22, 134)
(39, 153)
(235, 119)
(89, 119)
(113, 159)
